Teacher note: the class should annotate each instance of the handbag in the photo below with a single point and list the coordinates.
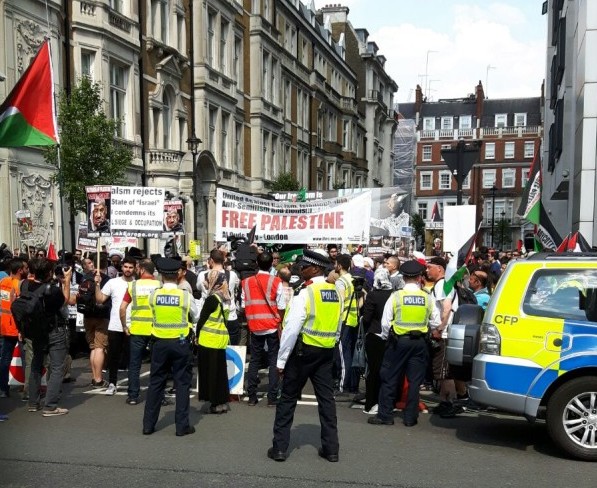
(359, 358)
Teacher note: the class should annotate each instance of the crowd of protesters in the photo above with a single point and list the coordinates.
(255, 308)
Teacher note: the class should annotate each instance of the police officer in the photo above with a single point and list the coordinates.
(171, 310)
(311, 329)
(139, 328)
(405, 324)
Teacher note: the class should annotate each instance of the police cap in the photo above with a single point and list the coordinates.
(412, 268)
(167, 266)
(315, 257)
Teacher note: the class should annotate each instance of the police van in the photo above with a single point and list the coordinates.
(535, 352)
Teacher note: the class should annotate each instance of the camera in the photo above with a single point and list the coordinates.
(359, 283)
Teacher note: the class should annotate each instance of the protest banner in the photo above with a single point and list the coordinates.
(125, 211)
(173, 218)
(24, 223)
(84, 242)
(98, 210)
(344, 220)
(388, 207)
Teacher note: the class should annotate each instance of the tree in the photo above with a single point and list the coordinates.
(418, 226)
(89, 153)
(503, 234)
(286, 182)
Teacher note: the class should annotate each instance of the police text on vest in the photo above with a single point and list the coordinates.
(413, 300)
(167, 300)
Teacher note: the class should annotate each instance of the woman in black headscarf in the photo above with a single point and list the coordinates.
(374, 344)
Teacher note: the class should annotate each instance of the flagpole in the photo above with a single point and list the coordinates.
(63, 235)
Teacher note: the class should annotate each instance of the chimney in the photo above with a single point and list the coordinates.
(336, 13)
(418, 98)
(480, 95)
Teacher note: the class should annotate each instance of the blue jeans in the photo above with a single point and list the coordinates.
(8, 346)
(57, 348)
(138, 344)
(257, 347)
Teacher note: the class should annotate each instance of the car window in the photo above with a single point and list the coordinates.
(565, 294)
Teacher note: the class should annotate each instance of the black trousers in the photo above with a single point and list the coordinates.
(169, 355)
(315, 364)
(375, 347)
(115, 348)
(404, 356)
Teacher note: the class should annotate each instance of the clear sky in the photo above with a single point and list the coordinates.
(457, 43)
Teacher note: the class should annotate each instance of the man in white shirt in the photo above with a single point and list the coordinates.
(115, 290)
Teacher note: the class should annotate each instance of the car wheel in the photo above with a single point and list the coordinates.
(572, 418)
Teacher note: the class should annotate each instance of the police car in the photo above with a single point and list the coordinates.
(535, 352)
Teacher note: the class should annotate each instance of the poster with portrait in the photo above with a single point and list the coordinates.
(173, 218)
(99, 203)
(24, 223)
(84, 242)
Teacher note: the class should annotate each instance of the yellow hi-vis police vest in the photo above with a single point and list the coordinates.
(141, 316)
(214, 333)
(350, 315)
(323, 313)
(412, 309)
(170, 307)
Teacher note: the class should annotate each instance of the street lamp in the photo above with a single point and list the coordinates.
(502, 229)
(493, 190)
(193, 143)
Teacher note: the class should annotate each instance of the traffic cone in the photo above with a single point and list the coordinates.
(401, 404)
(16, 370)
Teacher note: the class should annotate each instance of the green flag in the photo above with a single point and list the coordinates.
(449, 284)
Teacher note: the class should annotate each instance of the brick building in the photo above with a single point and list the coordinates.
(509, 134)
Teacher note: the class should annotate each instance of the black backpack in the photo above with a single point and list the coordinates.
(29, 313)
(86, 297)
(465, 295)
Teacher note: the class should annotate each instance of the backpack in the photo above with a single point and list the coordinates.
(29, 313)
(86, 297)
(465, 295)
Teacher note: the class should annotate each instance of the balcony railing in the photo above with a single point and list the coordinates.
(165, 158)
(479, 133)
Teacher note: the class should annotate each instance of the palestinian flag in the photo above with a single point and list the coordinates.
(435, 216)
(465, 254)
(28, 115)
(530, 206)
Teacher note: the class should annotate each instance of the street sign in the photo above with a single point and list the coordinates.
(195, 249)
(235, 362)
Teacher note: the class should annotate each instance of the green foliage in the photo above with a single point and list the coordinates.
(418, 225)
(89, 154)
(502, 234)
(286, 182)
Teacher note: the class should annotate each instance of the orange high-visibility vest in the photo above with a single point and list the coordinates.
(258, 290)
(9, 290)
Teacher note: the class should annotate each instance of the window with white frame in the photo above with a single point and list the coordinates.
(529, 149)
(180, 35)
(525, 177)
(428, 123)
(346, 179)
(224, 28)
(287, 99)
(447, 122)
(164, 17)
(211, 36)
(501, 120)
(275, 82)
(116, 5)
(266, 155)
(426, 182)
(275, 152)
(465, 122)
(345, 134)
(427, 155)
(213, 120)
(488, 178)
(508, 178)
(520, 120)
(238, 146)
(466, 184)
(224, 157)
(445, 178)
(87, 64)
(118, 85)
(238, 45)
(490, 150)
(167, 114)
(266, 78)
(331, 176)
(509, 150)
(422, 208)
